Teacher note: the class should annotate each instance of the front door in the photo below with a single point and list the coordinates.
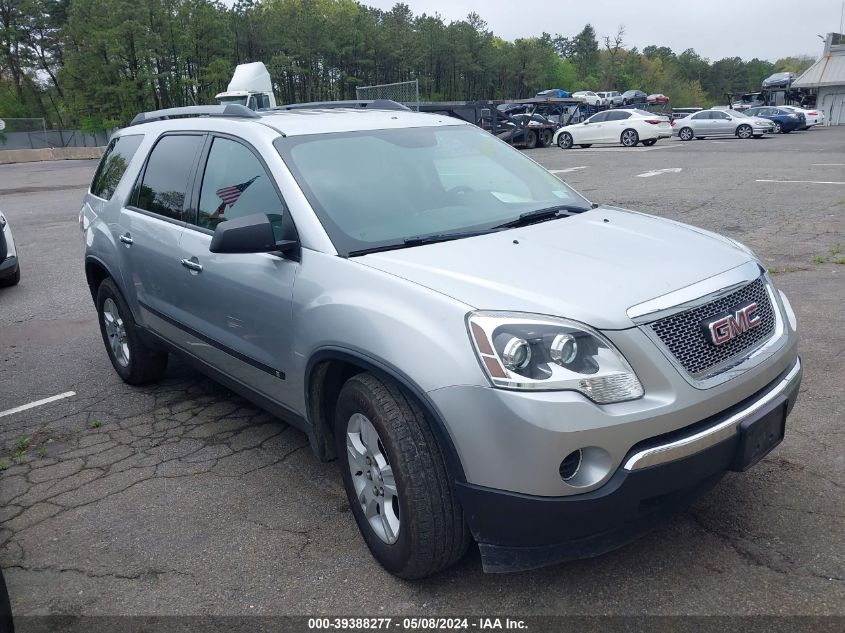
(236, 308)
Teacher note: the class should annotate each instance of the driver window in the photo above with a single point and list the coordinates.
(598, 118)
(234, 184)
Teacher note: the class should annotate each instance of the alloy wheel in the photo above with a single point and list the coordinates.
(744, 131)
(116, 332)
(372, 477)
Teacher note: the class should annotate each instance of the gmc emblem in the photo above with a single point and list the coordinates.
(728, 327)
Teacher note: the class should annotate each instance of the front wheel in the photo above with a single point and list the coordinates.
(686, 134)
(564, 141)
(14, 279)
(630, 138)
(132, 359)
(744, 131)
(778, 128)
(396, 480)
(650, 142)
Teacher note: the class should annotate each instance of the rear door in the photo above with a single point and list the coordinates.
(235, 309)
(617, 121)
(150, 226)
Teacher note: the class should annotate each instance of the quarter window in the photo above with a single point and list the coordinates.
(113, 165)
(165, 181)
(235, 184)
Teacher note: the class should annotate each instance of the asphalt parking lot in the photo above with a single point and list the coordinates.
(182, 498)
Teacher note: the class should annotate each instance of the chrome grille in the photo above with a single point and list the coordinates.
(685, 338)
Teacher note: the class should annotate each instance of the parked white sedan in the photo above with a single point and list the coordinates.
(627, 127)
(813, 117)
(589, 97)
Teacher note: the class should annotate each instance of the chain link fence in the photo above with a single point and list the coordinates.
(17, 133)
(404, 92)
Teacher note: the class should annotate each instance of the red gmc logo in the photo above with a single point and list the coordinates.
(732, 325)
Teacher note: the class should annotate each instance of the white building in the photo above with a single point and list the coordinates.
(827, 76)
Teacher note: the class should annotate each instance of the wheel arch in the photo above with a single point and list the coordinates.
(96, 270)
(326, 372)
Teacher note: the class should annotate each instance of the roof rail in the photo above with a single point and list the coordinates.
(230, 110)
(375, 104)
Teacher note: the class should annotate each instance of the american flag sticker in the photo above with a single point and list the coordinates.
(230, 195)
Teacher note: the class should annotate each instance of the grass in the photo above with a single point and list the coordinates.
(775, 270)
(41, 451)
(839, 260)
(820, 259)
(22, 443)
(95, 423)
(19, 456)
(3, 464)
(837, 249)
(834, 255)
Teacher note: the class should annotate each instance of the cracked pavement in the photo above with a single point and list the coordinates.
(182, 498)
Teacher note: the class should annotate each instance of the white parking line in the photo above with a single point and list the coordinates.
(808, 182)
(657, 172)
(828, 165)
(629, 150)
(564, 171)
(37, 403)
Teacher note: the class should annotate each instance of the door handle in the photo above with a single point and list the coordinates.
(192, 264)
(126, 239)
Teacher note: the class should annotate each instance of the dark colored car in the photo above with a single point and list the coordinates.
(783, 120)
(630, 97)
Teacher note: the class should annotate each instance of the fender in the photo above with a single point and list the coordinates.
(384, 369)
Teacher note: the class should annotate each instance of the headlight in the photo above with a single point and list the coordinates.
(2, 222)
(531, 352)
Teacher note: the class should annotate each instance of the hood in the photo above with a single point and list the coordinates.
(590, 267)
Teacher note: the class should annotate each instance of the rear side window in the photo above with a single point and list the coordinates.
(113, 165)
(165, 182)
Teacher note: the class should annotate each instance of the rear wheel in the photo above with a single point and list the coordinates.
(744, 131)
(564, 141)
(650, 142)
(629, 138)
(13, 279)
(132, 359)
(396, 480)
(530, 139)
(685, 134)
(546, 137)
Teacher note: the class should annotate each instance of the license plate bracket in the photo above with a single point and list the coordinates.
(759, 435)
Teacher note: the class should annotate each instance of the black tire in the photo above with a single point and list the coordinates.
(650, 142)
(546, 136)
(686, 134)
(758, 136)
(700, 138)
(564, 141)
(629, 137)
(432, 532)
(12, 280)
(744, 131)
(585, 145)
(530, 139)
(144, 364)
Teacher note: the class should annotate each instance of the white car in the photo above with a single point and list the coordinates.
(10, 269)
(627, 127)
(589, 97)
(813, 117)
(611, 97)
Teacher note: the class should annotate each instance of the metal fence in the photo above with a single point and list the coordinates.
(405, 92)
(33, 134)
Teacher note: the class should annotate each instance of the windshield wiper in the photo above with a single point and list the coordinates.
(541, 215)
(419, 240)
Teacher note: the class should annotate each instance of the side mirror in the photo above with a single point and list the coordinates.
(249, 234)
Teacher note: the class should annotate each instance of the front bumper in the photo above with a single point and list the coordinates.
(659, 478)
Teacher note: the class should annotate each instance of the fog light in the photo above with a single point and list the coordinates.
(570, 465)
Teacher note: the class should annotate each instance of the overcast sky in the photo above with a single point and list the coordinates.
(714, 28)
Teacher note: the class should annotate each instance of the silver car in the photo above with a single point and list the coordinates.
(490, 357)
(10, 266)
(718, 122)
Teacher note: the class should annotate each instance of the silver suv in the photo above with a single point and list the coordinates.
(489, 356)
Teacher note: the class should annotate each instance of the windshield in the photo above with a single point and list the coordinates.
(378, 188)
(225, 100)
(737, 113)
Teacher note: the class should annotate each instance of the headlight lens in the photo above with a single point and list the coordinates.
(532, 352)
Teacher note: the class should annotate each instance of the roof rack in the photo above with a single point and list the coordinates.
(228, 110)
(375, 104)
